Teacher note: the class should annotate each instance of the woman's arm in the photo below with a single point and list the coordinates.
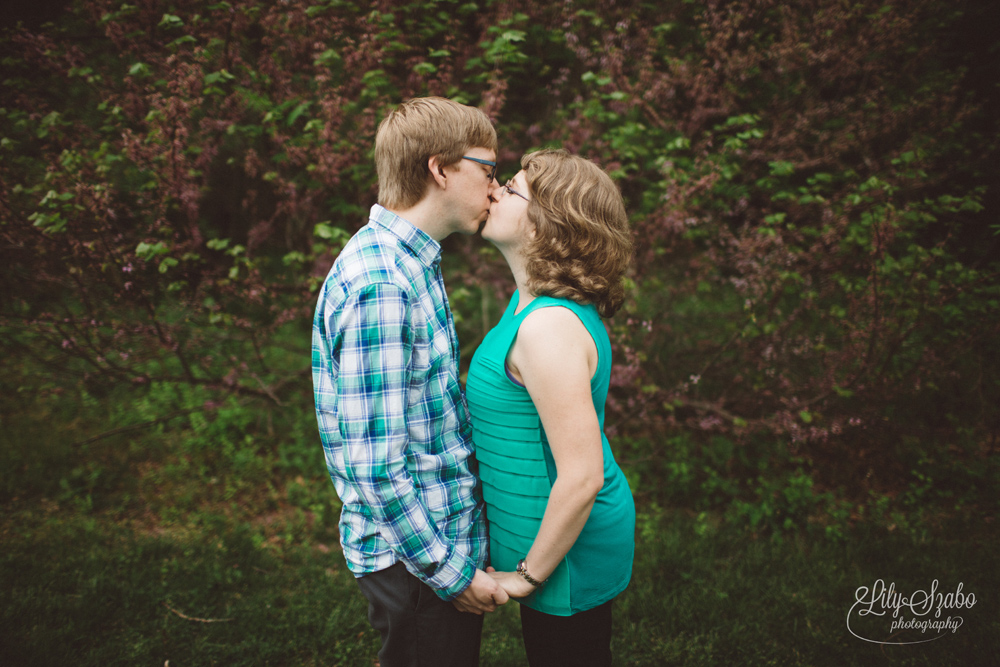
(555, 357)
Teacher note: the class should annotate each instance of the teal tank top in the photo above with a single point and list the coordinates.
(517, 471)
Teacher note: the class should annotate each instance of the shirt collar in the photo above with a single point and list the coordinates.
(417, 241)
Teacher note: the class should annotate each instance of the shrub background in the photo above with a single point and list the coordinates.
(810, 344)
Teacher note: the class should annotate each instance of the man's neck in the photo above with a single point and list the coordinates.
(426, 215)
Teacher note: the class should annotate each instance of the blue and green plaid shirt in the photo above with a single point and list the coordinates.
(392, 417)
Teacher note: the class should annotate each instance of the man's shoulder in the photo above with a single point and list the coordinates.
(369, 255)
(373, 256)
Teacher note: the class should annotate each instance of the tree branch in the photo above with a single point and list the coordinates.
(139, 427)
(199, 620)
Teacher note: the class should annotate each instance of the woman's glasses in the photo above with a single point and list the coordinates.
(510, 190)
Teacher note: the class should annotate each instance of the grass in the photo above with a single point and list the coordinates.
(211, 540)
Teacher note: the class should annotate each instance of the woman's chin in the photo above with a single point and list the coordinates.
(485, 229)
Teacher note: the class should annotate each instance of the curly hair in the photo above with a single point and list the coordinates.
(582, 245)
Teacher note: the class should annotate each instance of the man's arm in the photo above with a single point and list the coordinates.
(374, 351)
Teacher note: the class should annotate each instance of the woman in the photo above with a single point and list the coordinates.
(561, 515)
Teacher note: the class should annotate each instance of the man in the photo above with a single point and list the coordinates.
(392, 417)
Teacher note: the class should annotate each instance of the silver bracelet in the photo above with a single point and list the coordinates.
(522, 569)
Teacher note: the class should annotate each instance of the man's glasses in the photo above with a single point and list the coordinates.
(510, 190)
(491, 165)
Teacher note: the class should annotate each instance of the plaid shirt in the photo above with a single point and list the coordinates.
(392, 417)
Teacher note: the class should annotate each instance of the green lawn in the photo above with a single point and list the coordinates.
(211, 540)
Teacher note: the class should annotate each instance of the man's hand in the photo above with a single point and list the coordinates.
(482, 595)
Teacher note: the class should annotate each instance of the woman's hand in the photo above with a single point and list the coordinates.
(514, 584)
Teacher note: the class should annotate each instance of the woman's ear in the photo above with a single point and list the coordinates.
(437, 171)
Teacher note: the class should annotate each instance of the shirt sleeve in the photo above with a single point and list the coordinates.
(373, 385)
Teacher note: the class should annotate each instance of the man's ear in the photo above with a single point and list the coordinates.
(437, 170)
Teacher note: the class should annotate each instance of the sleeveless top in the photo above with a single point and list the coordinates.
(517, 471)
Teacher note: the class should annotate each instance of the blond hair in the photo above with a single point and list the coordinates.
(417, 130)
(582, 245)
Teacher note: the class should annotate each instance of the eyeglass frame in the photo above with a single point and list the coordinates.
(506, 186)
(488, 163)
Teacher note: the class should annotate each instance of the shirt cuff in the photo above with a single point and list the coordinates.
(453, 577)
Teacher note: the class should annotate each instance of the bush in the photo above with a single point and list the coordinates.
(816, 265)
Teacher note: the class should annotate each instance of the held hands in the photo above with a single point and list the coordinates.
(514, 584)
(483, 595)
(490, 589)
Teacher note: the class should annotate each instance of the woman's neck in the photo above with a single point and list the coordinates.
(519, 268)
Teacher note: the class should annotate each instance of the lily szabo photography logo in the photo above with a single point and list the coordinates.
(884, 615)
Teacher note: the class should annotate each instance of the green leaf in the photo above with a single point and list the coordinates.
(328, 57)
(222, 76)
(781, 168)
(167, 263)
(294, 257)
(148, 251)
(171, 21)
(324, 230)
(298, 111)
(186, 39)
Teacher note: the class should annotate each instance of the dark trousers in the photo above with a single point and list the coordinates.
(418, 628)
(580, 640)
